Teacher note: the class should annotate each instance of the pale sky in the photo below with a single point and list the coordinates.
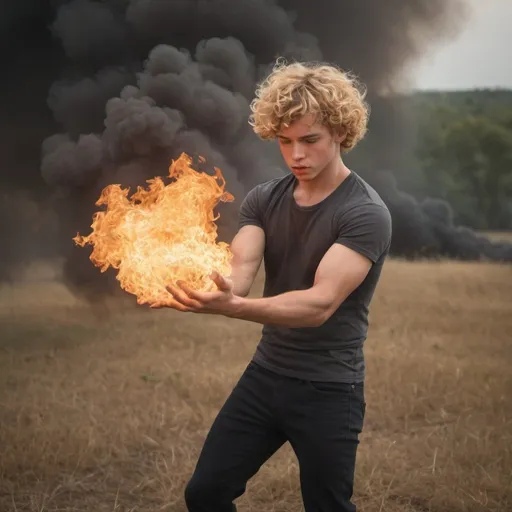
(480, 56)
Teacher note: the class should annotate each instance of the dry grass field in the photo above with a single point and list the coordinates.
(105, 409)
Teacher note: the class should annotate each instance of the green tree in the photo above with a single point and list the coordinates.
(434, 123)
(478, 155)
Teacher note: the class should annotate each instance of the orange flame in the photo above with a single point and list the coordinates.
(161, 234)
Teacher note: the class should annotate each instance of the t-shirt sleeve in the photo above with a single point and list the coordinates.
(251, 210)
(367, 229)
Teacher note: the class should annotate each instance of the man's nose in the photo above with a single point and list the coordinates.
(297, 151)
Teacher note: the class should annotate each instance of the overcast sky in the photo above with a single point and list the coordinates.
(480, 56)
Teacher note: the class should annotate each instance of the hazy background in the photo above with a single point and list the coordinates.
(477, 57)
(101, 92)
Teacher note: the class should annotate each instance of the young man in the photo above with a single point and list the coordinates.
(324, 235)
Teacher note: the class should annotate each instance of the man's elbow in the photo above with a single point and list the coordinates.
(324, 304)
(324, 312)
(316, 321)
(241, 290)
(320, 317)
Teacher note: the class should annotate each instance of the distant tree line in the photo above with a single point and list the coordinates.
(463, 153)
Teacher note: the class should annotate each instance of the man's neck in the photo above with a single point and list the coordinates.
(311, 192)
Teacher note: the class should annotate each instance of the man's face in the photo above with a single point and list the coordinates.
(307, 147)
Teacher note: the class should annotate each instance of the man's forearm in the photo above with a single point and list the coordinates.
(303, 308)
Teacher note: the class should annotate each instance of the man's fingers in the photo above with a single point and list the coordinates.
(170, 303)
(180, 307)
(219, 280)
(182, 298)
(192, 294)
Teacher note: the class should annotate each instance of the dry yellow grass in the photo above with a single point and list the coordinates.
(109, 412)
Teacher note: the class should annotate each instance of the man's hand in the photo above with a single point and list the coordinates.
(221, 302)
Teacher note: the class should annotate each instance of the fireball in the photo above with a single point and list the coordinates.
(161, 234)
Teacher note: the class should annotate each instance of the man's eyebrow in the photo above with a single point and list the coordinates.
(307, 136)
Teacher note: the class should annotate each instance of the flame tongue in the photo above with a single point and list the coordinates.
(161, 234)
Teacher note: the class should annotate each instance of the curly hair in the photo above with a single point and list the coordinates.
(335, 97)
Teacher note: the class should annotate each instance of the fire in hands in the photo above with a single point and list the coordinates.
(163, 237)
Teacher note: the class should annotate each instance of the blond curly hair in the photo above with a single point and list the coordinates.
(335, 97)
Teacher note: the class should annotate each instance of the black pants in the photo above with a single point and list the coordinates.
(321, 421)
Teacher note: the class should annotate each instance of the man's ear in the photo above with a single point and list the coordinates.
(340, 136)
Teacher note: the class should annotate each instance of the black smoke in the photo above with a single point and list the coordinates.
(99, 92)
(425, 229)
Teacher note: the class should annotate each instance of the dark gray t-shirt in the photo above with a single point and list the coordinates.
(297, 237)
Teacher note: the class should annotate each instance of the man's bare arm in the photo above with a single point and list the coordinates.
(247, 247)
(339, 273)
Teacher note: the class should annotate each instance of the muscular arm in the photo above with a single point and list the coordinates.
(363, 239)
(340, 272)
(247, 248)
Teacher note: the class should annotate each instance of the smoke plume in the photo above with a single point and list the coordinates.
(108, 92)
